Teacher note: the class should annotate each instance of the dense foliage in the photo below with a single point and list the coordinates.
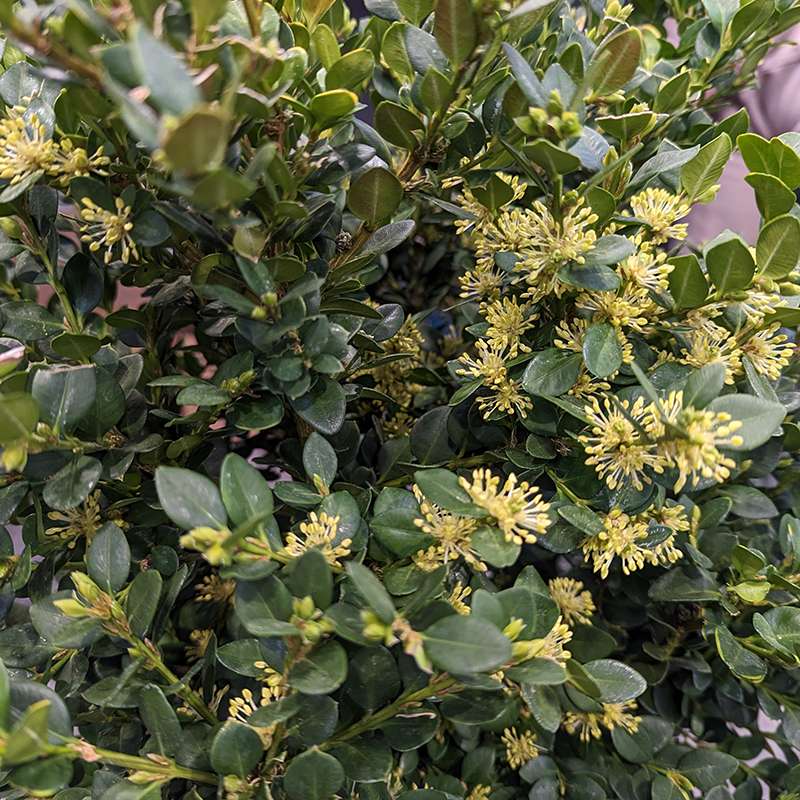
(368, 427)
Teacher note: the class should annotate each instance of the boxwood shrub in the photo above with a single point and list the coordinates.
(370, 427)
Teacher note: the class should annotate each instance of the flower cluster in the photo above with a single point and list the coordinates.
(373, 423)
(27, 150)
(632, 442)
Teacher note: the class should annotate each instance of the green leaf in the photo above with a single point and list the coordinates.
(773, 196)
(313, 775)
(430, 439)
(322, 671)
(455, 29)
(610, 249)
(19, 414)
(330, 107)
(614, 63)
(397, 124)
(707, 768)
(538, 672)
(551, 158)
(64, 395)
(43, 777)
(441, 486)
(545, 705)
(71, 485)
(319, 458)
(705, 169)
(364, 760)
(371, 589)
(749, 18)
(323, 407)
(351, 70)
(264, 607)
(491, 545)
(641, 747)
(312, 576)
(687, 283)
(198, 140)
(664, 789)
(780, 627)
(189, 499)
(760, 418)
(171, 87)
(584, 519)
(778, 247)
(109, 558)
(235, 749)
(552, 372)
(245, 494)
(258, 415)
(773, 157)
(672, 93)
(160, 720)
(729, 263)
(407, 732)
(704, 385)
(375, 195)
(463, 645)
(144, 596)
(602, 351)
(742, 662)
(617, 681)
(526, 78)
(203, 394)
(721, 12)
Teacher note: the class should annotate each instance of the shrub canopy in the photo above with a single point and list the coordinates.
(368, 427)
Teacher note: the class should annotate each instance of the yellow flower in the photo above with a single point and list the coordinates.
(769, 351)
(757, 303)
(199, 643)
(480, 792)
(390, 378)
(587, 724)
(660, 210)
(587, 385)
(274, 680)
(212, 589)
(457, 598)
(240, 708)
(25, 147)
(646, 270)
(505, 396)
(518, 509)
(626, 537)
(489, 363)
(482, 282)
(520, 747)
(72, 162)
(570, 334)
(574, 603)
(549, 244)
(552, 645)
(694, 452)
(319, 532)
(109, 229)
(617, 447)
(81, 522)
(508, 321)
(711, 344)
(452, 533)
(632, 309)
(619, 538)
